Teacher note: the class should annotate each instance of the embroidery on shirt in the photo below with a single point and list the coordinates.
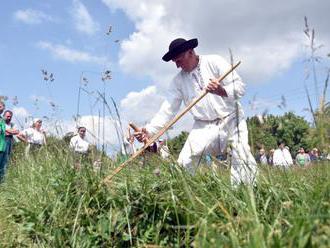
(198, 76)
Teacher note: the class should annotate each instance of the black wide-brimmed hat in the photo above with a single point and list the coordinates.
(178, 46)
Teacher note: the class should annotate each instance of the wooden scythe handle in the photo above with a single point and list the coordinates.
(107, 179)
(135, 128)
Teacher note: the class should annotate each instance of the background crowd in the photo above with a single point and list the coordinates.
(284, 158)
(35, 138)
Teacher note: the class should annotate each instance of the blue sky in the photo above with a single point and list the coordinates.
(68, 39)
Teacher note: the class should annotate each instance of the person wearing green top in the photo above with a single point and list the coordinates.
(2, 143)
(302, 158)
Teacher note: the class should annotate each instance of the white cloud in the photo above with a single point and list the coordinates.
(267, 37)
(21, 112)
(31, 16)
(83, 21)
(71, 55)
(21, 117)
(140, 107)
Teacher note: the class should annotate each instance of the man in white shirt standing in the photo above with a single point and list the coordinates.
(163, 149)
(128, 147)
(282, 156)
(78, 142)
(219, 118)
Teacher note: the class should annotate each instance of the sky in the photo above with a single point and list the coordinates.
(80, 42)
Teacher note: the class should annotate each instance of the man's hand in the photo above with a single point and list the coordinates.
(215, 87)
(141, 135)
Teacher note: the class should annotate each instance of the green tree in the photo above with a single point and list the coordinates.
(175, 145)
(290, 128)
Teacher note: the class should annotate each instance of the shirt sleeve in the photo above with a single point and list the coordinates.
(275, 158)
(233, 83)
(168, 109)
(288, 157)
(72, 143)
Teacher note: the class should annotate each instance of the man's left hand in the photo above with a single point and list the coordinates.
(215, 87)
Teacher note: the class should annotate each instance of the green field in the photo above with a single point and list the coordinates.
(45, 202)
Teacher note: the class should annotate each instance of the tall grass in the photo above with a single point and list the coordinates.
(45, 202)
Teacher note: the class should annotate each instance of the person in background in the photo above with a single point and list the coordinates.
(80, 147)
(282, 156)
(314, 155)
(271, 155)
(261, 157)
(128, 144)
(328, 153)
(2, 143)
(302, 158)
(11, 131)
(163, 149)
(78, 143)
(34, 136)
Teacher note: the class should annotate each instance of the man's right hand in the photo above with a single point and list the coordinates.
(142, 135)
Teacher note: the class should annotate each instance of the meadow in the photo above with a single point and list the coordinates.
(46, 202)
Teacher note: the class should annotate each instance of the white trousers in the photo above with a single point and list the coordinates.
(212, 138)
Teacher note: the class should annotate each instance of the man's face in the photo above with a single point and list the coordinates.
(82, 132)
(2, 108)
(8, 117)
(184, 61)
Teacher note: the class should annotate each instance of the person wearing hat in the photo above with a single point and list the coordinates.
(34, 136)
(218, 117)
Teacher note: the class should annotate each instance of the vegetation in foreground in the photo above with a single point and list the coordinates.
(45, 202)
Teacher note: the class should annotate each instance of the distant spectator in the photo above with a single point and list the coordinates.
(282, 156)
(11, 131)
(129, 147)
(34, 136)
(261, 157)
(163, 149)
(314, 155)
(302, 158)
(270, 157)
(2, 143)
(78, 143)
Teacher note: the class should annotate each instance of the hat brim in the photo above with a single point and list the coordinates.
(189, 44)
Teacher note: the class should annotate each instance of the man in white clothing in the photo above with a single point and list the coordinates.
(219, 118)
(282, 156)
(163, 149)
(128, 148)
(78, 143)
